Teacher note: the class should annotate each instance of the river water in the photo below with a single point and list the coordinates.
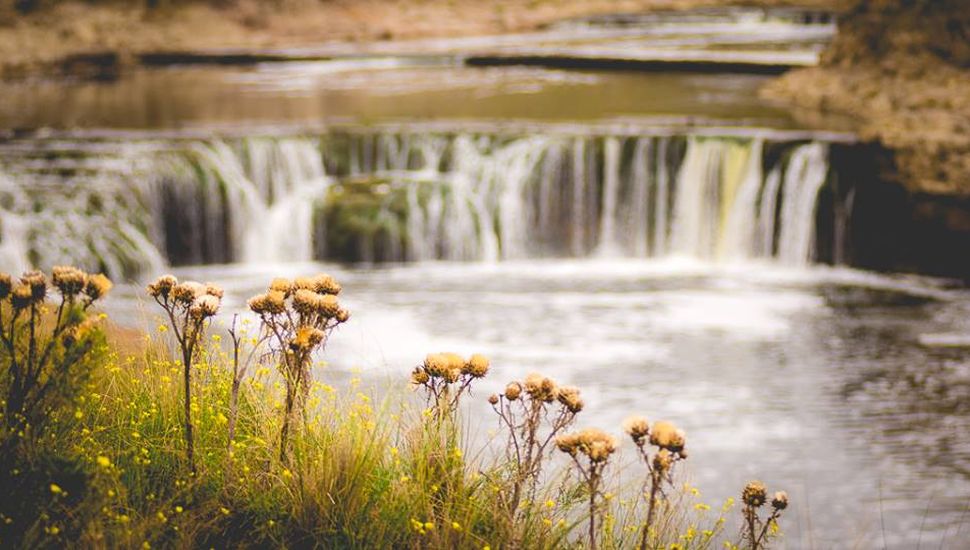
(657, 239)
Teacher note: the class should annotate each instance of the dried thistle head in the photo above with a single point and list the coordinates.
(513, 390)
(779, 501)
(328, 307)
(325, 284)
(493, 399)
(754, 494)
(21, 297)
(541, 388)
(568, 443)
(280, 284)
(305, 301)
(638, 428)
(477, 366)
(37, 283)
(569, 397)
(98, 286)
(162, 286)
(436, 364)
(419, 376)
(343, 315)
(667, 436)
(204, 306)
(187, 292)
(304, 283)
(68, 280)
(663, 461)
(270, 303)
(307, 338)
(213, 289)
(6, 285)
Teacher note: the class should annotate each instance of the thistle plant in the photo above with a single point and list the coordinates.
(754, 497)
(298, 316)
(534, 412)
(189, 306)
(590, 450)
(445, 377)
(45, 361)
(670, 442)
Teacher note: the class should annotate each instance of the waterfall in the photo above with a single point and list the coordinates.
(130, 208)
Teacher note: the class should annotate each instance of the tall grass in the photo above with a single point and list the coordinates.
(361, 470)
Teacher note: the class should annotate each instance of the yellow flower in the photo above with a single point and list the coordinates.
(104, 462)
(287, 474)
(456, 526)
(550, 503)
(54, 530)
(56, 489)
(224, 510)
(429, 526)
(179, 509)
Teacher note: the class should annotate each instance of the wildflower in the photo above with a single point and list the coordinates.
(305, 302)
(541, 388)
(21, 297)
(513, 390)
(287, 474)
(325, 284)
(56, 489)
(104, 462)
(493, 399)
(69, 280)
(162, 286)
(456, 526)
(477, 366)
(6, 284)
(663, 460)
(212, 289)
(188, 292)
(550, 503)
(280, 284)
(637, 427)
(37, 283)
(97, 286)
(666, 436)
(224, 510)
(569, 397)
(780, 500)
(272, 303)
(204, 306)
(755, 494)
(419, 376)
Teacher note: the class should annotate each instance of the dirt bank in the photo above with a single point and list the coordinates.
(902, 67)
(43, 40)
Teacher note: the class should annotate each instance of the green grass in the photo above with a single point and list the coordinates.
(366, 471)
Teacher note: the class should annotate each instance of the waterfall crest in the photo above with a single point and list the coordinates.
(397, 196)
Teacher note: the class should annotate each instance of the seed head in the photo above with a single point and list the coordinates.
(272, 303)
(187, 292)
(513, 390)
(755, 494)
(280, 284)
(328, 306)
(637, 427)
(569, 397)
(69, 280)
(666, 436)
(663, 461)
(98, 286)
(343, 315)
(596, 444)
(325, 284)
(304, 283)
(6, 285)
(493, 399)
(162, 286)
(204, 306)
(477, 366)
(780, 500)
(436, 364)
(307, 338)
(37, 283)
(21, 297)
(568, 443)
(305, 302)
(419, 376)
(213, 289)
(541, 388)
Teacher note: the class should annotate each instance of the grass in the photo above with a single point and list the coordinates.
(109, 468)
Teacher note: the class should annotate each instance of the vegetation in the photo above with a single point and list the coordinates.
(103, 458)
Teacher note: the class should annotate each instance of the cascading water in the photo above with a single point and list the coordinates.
(422, 196)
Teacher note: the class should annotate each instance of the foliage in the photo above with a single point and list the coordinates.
(108, 470)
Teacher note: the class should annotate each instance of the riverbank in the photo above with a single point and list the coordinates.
(903, 71)
(59, 35)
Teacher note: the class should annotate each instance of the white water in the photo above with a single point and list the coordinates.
(445, 196)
